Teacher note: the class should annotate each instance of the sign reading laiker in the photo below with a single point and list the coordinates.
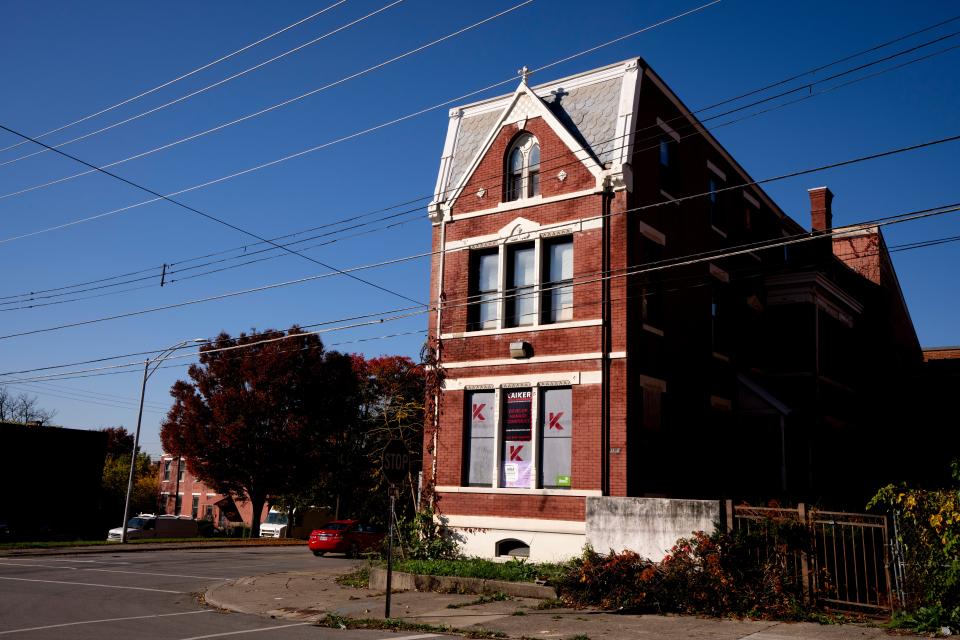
(517, 454)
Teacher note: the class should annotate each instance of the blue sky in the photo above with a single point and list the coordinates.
(64, 60)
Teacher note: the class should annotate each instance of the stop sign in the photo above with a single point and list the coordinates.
(396, 461)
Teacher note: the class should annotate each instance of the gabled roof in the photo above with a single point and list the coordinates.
(585, 110)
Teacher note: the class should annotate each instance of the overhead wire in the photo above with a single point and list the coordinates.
(617, 273)
(206, 88)
(180, 77)
(248, 261)
(286, 283)
(347, 137)
(32, 296)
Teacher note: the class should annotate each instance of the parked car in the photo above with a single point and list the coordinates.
(275, 526)
(350, 537)
(147, 525)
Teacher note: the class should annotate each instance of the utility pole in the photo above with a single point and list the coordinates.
(133, 456)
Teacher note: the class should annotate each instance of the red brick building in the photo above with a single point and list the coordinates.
(575, 370)
(190, 496)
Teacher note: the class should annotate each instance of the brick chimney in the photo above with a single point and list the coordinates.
(821, 210)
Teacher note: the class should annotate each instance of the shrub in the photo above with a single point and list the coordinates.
(726, 573)
(515, 570)
(421, 537)
(928, 531)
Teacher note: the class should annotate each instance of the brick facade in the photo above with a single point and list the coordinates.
(749, 376)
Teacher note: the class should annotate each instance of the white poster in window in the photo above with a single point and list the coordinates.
(517, 438)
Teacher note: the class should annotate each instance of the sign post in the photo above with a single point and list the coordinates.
(395, 466)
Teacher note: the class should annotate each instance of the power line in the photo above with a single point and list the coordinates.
(169, 280)
(208, 87)
(675, 201)
(603, 275)
(27, 306)
(203, 214)
(683, 116)
(351, 136)
(180, 77)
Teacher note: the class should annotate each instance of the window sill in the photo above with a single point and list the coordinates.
(653, 330)
(667, 195)
(720, 356)
(576, 493)
(574, 324)
(720, 232)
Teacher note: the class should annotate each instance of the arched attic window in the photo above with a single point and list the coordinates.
(522, 171)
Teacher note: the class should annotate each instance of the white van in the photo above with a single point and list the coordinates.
(275, 526)
(147, 525)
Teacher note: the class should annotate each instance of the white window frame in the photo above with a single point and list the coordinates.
(535, 435)
(525, 144)
(503, 267)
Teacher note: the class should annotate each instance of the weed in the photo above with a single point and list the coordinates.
(358, 578)
(552, 603)
(513, 571)
(519, 612)
(495, 597)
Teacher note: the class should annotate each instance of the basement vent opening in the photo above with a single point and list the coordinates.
(513, 548)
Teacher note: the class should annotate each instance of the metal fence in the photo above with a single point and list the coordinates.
(847, 563)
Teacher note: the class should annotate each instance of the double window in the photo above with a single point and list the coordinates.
(522, 173)
(537, 287)
(526, 444)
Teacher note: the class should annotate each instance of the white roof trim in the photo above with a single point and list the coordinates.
(539, 109)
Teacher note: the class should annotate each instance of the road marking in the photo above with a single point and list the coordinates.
(138, 573)
(73, 624)
(235, 633)
(89, 584)
(89, 561)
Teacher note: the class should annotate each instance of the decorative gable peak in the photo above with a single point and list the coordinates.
(519, 229)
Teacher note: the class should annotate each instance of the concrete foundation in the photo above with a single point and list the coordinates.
(649, 526)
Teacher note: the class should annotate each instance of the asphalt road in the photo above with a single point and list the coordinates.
(141, 596)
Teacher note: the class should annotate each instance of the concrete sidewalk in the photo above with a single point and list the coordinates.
(309, 595)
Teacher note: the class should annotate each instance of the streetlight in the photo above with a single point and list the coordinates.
(147, 372)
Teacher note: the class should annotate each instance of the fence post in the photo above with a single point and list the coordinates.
(729, 510)
(804, 556)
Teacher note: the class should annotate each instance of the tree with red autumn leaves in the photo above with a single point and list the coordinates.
(262, 420)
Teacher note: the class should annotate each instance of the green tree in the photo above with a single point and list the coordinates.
(116, 470)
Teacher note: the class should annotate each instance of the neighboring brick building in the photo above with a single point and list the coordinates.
(192, 497)
(750, 376)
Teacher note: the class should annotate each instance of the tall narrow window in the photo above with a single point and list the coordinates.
(718, 322)
(651, 301)
(178, 505)
(521, 280)
(516, 455)
(556, 438)
(181, 468)
(166, 470)
(484, 268)
(195, 507)
(557, 297)
(479, 453)
(515, 175)
(522, 171)
(533, 172)
(715, 186)
(669, 169)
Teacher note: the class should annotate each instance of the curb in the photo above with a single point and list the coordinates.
(452, 584)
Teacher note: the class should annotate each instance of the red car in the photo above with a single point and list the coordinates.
(350, 537)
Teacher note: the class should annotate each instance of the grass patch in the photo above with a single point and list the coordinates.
(512, 571)
(552, 603)
(496, 597)
(580, 636)
(358, 578)
(334, 621)
(519, 612)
